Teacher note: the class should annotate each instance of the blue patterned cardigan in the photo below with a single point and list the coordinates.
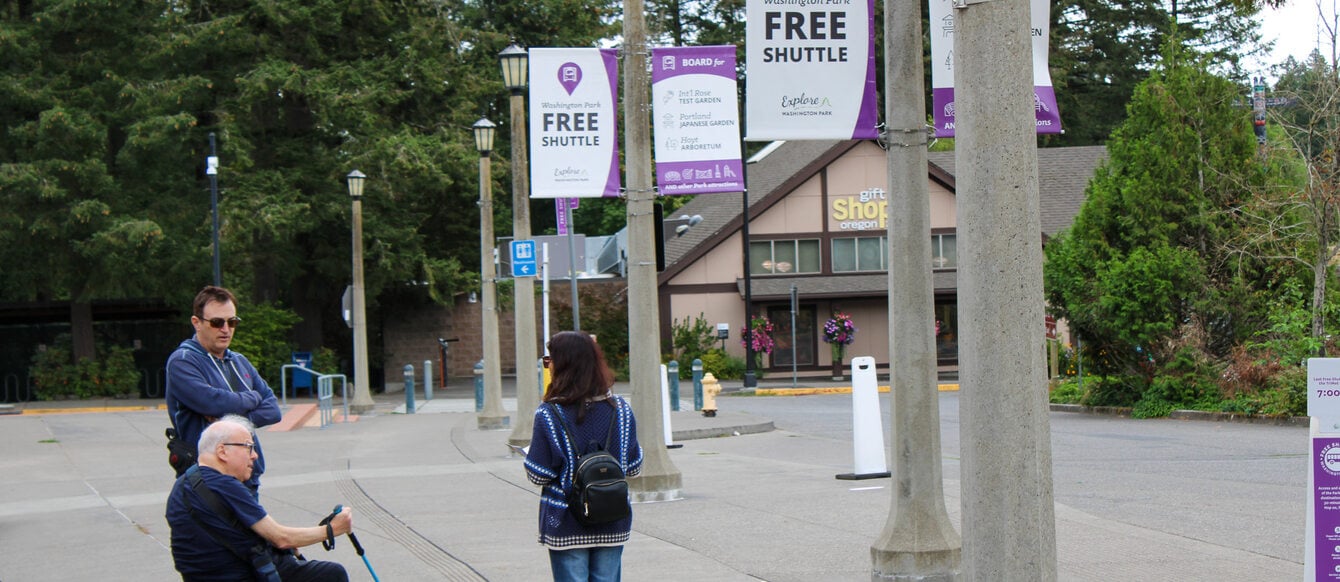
(550, 461)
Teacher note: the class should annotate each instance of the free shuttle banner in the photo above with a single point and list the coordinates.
(574, 150)
(942, 68)
(811, 69)
(696, 117)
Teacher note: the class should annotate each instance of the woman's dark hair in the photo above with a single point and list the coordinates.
(578, 369)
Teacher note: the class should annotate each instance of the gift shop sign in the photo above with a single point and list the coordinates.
(868, 210)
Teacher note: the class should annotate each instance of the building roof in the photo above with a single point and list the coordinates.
(1063, 175)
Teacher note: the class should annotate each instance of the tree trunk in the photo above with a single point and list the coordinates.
(1319, 268)
(81, 330)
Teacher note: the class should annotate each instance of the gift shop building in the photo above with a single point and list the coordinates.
(817, 213)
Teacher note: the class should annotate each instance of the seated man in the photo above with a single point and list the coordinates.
(219, 529)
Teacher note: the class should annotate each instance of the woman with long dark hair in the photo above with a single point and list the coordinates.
(579, 409)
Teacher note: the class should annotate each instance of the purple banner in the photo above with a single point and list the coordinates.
(1044, 109)
(696, 119)
(1326, 506)
(561, 206)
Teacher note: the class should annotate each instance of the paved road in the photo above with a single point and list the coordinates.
(81, 498)
(1232, 484)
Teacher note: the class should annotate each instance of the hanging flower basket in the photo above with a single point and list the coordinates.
(839, 332)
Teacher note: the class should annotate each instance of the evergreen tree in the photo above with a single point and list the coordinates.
(1143, 262)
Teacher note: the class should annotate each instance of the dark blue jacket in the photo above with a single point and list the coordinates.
(197, 389)
(550, 463)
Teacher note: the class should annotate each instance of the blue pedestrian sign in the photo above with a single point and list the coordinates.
(523, 259)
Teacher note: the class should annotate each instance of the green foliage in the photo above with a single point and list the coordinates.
(604, 313)
(724, 366)
(690, 341)
(1066, 392)
(1144, 262)
(57, 376)
(1287, 334)
(263, 338)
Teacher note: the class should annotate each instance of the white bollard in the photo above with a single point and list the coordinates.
(665, 409)
(867, 428)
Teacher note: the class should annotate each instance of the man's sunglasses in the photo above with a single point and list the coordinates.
(219, 322)
(546, 360)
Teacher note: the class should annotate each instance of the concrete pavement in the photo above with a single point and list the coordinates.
(81, 498)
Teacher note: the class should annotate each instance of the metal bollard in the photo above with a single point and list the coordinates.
(479, 386)
(409, 389)
(697, 384)
(427, 380)
(673, 371)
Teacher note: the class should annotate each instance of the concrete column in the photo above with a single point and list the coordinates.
(527, 348)
(660, 479)
(1009, 524)
(918, 542)
(493, 417)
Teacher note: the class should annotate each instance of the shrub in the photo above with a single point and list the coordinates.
(690, 340)
(722, 365)
(1066, 392)
(263, 337)
(56, 375)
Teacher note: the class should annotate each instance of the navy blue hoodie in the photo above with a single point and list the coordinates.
(197, 388)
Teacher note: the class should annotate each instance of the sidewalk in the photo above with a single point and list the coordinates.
(435, 498)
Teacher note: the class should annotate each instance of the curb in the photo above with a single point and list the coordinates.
(825, 390)
(88, 409)
(721, 431)
(1202, 415)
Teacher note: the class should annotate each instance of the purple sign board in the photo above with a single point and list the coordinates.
(1326, 507)
(696, 119)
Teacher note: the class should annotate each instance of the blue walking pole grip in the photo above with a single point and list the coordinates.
(353, 539)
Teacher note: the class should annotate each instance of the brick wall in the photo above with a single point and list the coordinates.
(410, 337)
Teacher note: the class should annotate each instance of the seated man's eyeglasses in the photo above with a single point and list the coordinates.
(219, 322)
(251, 447)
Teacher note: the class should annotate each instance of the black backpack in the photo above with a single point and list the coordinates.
(599, 491)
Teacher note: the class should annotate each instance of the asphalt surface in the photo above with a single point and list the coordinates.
(434, 498)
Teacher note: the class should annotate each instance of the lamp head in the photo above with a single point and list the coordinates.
(355, 179)
(484, 130)
(515, 68)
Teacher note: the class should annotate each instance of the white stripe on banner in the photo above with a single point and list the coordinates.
(697, 120)
(574, 144)
(811, 69)
(942, 68)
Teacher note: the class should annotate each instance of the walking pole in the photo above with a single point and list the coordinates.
(330, 545)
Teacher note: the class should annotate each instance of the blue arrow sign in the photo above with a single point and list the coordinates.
(523, 259)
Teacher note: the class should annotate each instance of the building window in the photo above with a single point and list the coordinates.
(860, 254)
(783, 257)
(944, 252)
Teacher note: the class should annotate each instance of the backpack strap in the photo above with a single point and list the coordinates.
(261, 561)
(568, 430)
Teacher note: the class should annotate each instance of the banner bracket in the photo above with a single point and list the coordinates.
(960, 4)
(908, 137)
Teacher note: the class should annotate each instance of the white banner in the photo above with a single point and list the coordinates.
(574, 144)
(696, 117)
(942, 68)
(811, 69)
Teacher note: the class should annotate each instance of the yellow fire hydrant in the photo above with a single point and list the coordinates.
(710, 390)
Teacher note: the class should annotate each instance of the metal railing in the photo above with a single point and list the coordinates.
(325, 391)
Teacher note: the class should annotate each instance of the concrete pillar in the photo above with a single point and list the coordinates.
(1009, 524)
(660, 479)
(527, 347)
(918, 542)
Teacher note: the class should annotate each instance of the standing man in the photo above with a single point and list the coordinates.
(206, 380)
(220, 531)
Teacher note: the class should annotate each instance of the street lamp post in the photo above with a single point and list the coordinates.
(493, 417)
(212, 168)
(362, 403)
(515, 64)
